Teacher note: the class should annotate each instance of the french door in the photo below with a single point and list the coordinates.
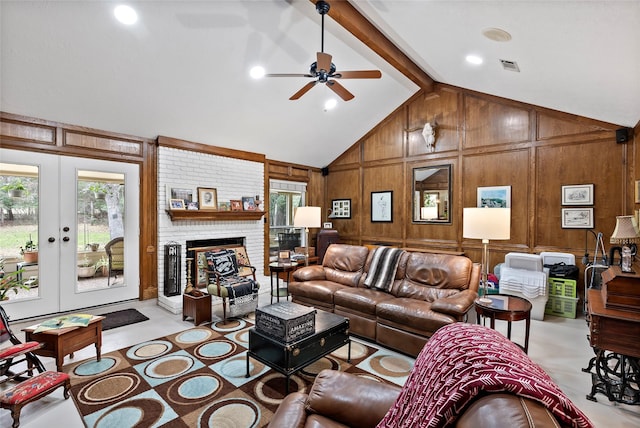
(84, 256)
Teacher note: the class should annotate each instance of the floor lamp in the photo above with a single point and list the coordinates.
(486, 224)
(307, 217)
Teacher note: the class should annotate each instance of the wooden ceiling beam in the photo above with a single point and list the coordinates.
(354, 22)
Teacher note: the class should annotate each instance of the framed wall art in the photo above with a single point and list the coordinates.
(341, 208)
(581, 194)
(175, 191)
(207, 198)
(577, 218)
(494, 197)
(382, 206)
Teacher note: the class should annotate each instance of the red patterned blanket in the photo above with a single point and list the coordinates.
(462, 361)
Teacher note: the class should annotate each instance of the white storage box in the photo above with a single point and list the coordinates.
(538, 304)
(530, 283)
(551, 258)
(523, 261)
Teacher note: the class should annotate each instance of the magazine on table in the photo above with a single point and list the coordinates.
(71, 320)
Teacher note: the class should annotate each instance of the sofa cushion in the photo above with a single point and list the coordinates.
(344, 263)
(321, 291)
(362, 300)
(435, 271)
(413, 315)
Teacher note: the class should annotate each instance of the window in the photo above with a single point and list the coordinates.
(284, 198)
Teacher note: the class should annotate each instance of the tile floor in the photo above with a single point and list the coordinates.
(559, 345)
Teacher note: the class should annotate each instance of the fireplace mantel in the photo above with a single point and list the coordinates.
(177, 215)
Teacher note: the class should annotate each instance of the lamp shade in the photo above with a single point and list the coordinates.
(307, 217)
(486, 223)
(428, 213)
(626, 231)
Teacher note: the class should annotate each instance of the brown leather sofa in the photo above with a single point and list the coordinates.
(429, 291)
(340, 400)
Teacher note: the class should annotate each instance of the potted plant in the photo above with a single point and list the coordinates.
(29, 251)
(9, 282)
(15, 188)
(85, 268)
(102, 266)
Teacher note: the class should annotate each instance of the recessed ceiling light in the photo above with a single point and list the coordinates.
(474, 59)
(125, 14)
(330, 104)
(496, 34)
(257, 72)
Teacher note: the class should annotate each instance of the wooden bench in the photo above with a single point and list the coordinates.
(34, 388)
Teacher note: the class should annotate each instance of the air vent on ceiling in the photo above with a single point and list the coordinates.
(510, 65)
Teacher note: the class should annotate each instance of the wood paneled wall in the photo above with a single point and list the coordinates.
(489, 141)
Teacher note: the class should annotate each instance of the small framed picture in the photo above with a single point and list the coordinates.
(284, 256)
(341, 208)
(577, 195)
(224, 206)
(382, 206)
(192, 206)
(175, 191)
(327, 225)
(494, 197)
(248, 203)
(236, 205)
(207, 198)
(577, 218)
(176, 204)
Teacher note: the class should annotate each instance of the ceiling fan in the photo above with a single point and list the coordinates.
(324, 71)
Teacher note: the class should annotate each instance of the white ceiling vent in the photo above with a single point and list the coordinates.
(510, 65)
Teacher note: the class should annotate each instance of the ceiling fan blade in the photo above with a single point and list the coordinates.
(288, 75)
(323, 61)
(340, 90)
(304, 90)
(358, 74)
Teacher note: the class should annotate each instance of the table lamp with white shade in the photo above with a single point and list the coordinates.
(486, 224)
(307, 217)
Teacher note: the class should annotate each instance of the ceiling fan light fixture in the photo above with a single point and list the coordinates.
(257, 72)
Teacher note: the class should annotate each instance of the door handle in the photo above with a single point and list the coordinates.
(66, 239)
(51, 239)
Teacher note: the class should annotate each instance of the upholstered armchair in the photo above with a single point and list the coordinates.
(115, 254)
(230, 281)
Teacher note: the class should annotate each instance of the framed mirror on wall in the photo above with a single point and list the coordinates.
(432, 194)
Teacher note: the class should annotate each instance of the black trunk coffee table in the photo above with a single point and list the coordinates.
(332, 332)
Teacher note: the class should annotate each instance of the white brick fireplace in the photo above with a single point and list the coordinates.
(233, 179)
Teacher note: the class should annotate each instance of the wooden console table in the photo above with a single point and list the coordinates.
(613, 334)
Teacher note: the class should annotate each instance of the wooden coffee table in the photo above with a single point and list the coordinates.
(332, 332)
(65, 341)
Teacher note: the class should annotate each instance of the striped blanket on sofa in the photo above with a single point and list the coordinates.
(384, 265)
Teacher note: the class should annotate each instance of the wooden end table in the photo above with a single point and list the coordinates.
(506, 308)
(276, 269)
(198, 308)
(65, 341)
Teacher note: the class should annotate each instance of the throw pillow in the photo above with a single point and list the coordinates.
(223, 262)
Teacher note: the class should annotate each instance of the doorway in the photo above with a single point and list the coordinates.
(73, 213)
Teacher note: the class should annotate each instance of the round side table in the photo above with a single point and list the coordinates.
(506, 308)
(276, 269)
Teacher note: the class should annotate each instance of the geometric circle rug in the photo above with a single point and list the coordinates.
(197, 378)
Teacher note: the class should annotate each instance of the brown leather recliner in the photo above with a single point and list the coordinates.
(343, 400)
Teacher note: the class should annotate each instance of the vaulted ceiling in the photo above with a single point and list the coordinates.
(183, 69)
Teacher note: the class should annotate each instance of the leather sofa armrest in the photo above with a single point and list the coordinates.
(291, 412)
(309, 273)
(457, 305)
(350, 399)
